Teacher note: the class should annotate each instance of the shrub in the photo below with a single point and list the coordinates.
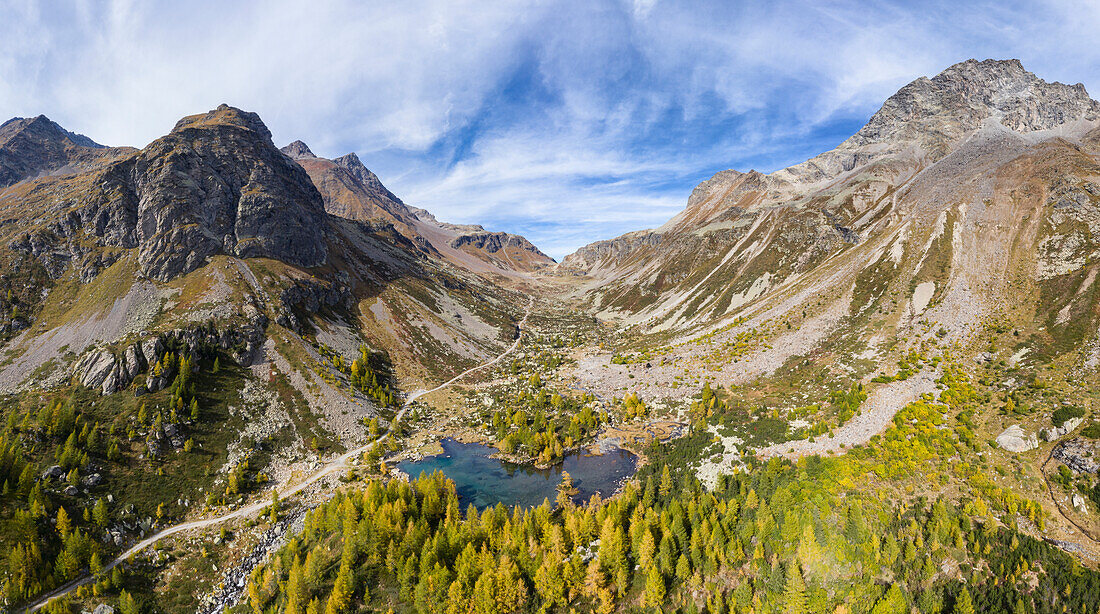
(1066, 412)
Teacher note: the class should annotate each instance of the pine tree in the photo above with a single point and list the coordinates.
(794, 593)
(654, 587)
(963, 603)
(64, 523)
(666, 482)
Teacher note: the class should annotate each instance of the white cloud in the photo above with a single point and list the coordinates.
(571, 120)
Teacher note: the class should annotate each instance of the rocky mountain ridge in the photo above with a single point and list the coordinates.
(34, 146)
(350, 190)
(917, 126)
(215, 184)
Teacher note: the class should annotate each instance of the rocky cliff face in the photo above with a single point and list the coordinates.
(960, 98)
(932, 116)
(215, 185)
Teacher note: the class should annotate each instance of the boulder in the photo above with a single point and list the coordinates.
(92, 480)
(1014, 439)
(1080, 455)
(1079, 503)
(133, 362)
(71, 491)
(1057, 432)
(113, 382)
(103, 608)
(54, 472)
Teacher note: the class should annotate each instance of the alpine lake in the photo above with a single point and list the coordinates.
(485, 481)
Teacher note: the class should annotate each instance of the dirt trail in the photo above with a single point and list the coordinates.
(344, 461)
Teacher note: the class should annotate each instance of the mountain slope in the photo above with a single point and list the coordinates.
(215, 195)
(967, 197)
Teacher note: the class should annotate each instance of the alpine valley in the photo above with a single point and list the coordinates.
(863, 383)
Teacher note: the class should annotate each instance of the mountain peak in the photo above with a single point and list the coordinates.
(298, 150)
(35, 146)
(43, 129)
(351, 161)
(960, 98)
(224, 115)
(354, 165)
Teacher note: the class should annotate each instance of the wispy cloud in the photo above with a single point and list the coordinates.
(569, 121)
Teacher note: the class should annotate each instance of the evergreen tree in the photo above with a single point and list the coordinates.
(794, 593)
(666, 482)
(654, 587)
(893, 602)
(64, 523)
(340, 597)
(295, 589)
(963, 603)
(99, 513)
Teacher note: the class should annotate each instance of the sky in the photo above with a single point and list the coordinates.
(565, 121)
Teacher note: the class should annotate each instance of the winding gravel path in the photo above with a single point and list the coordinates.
(341, 462)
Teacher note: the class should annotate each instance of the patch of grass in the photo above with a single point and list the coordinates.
(72, 300)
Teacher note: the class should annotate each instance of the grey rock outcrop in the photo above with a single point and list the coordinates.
(97, 369)
(1015, 439)
(101, 368)
(151, 350)
(1057, 432)
(217, 184)
(311, 296)
(1079, 503)
(1080, 455)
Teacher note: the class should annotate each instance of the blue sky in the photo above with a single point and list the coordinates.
(567, 122)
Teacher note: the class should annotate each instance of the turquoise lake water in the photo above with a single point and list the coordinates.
(486, 481)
